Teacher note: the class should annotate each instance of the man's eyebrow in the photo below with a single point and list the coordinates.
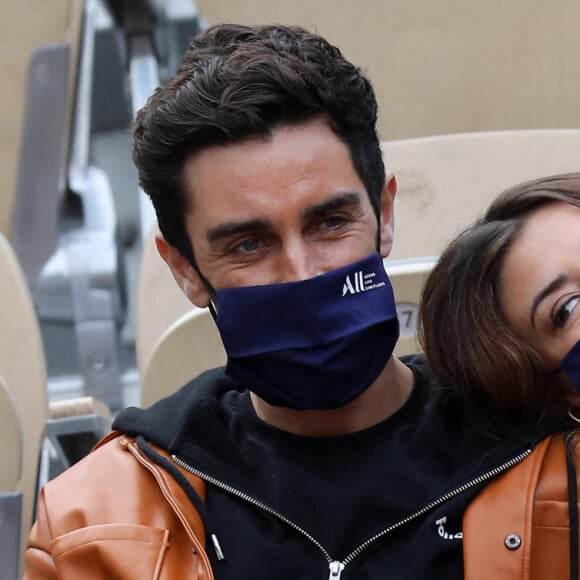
(348, 198)
(551, 287)
(227, 229)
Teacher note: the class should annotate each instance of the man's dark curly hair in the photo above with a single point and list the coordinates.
(241, 82)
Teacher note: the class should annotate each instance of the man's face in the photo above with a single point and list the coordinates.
(282, 210)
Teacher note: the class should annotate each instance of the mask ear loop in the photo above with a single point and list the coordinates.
(571, 410)
(211, 306)
(213, 312)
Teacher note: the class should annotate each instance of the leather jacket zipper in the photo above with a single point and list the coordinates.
(336, 567)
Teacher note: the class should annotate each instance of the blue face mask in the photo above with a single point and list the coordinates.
(313, 344)
(571, 365)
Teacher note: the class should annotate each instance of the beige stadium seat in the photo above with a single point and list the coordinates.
(445, 66)
(446, 181)
(74, 425)
(23, 378)
(188, 347)
(11, 441)
(160, 301)
(26, 26)
(408, 278)
(10, 499)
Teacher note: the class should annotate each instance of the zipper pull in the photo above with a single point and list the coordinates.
(336, 569)
(218, 549)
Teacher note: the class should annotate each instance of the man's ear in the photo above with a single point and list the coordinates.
(184, 273)
(388, 214)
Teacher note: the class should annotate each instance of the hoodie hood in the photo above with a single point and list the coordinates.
(194, 409)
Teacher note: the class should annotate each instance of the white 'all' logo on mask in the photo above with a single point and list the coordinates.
(360, 282)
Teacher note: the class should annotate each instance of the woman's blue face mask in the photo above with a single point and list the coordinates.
(571, 365)
(312, 344)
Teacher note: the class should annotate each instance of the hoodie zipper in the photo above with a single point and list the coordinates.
(336, 567)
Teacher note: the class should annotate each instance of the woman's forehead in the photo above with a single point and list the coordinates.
(548, 246)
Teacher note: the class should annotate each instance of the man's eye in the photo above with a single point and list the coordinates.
(562, 314)
(249, 246)
(334, 222)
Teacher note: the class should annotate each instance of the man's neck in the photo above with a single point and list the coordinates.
(383, 398)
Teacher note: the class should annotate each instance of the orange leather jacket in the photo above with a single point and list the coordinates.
(127, 518)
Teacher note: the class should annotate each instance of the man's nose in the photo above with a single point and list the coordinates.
(297, 262)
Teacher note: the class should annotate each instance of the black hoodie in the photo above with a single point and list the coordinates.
(386, 502)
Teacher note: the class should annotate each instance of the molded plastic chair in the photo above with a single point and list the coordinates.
(442, 66)
(23, 375)
(408, 278)
(28, 27)
(24, 410)
(12, 443)
(160, 301)
(446, 181)
(10, 500)
(190, 346)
